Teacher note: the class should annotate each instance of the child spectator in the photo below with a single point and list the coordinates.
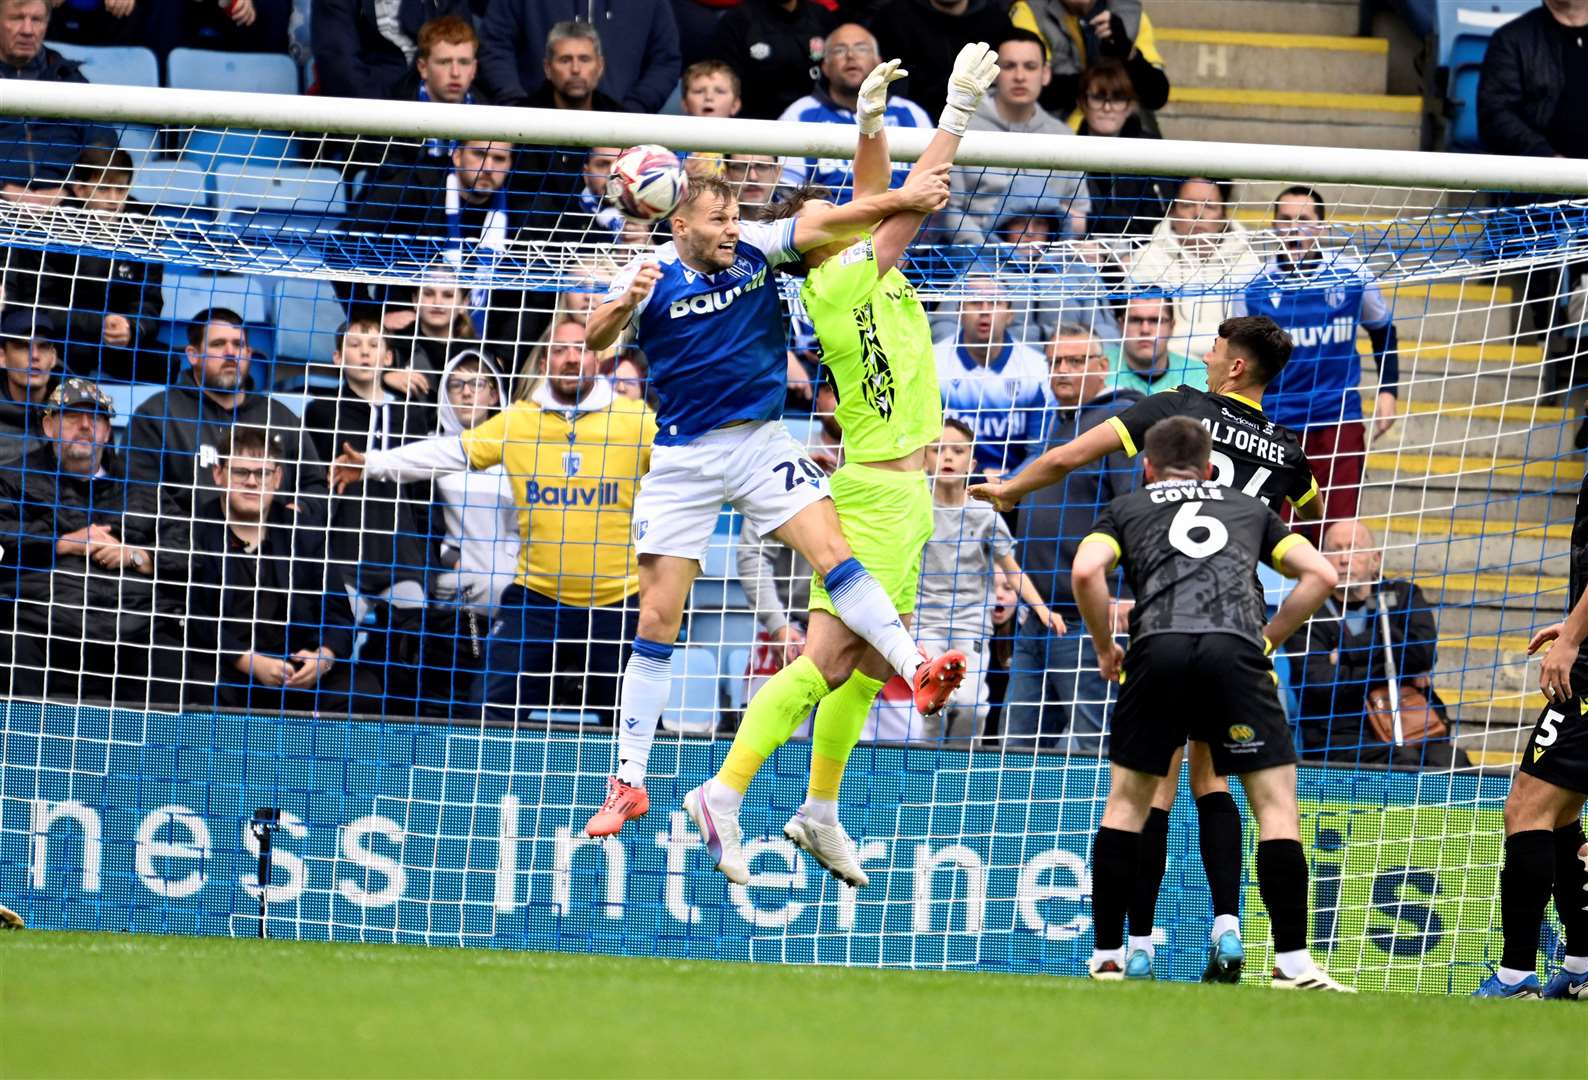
(480, 541)
(31, 355)
(375, 533)
(953, 609)
(711, 88)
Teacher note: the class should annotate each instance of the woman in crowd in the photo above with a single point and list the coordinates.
(1107, 107)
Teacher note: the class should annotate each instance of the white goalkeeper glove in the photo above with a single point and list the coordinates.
(975, 69)
(872, 108)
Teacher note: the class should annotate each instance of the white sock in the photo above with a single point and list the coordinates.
(723, 799)
(1142, 943)
(1116, 955)
(647, 682)
(821, 811)
(1223, 924)
(1292, 964)
(1576, 965)
(863, 605)
(1511, 976)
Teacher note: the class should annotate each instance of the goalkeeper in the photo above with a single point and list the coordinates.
(877, 347)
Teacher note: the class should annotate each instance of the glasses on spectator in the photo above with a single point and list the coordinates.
(621, 383)
(1088, 358)
(859, 52)
(475, 387)
(1108, 101)
(249, 477)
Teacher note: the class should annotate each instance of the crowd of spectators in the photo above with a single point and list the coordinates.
(214, 536)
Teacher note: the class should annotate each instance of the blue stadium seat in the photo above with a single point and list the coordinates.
(284, 194)
(114, 65)
(1464, 28)
(257, 73)
(296, 402)
(173, 189)
(141, 143)
(186, 294)
(307, 316)
(693, 706)
(126, 397)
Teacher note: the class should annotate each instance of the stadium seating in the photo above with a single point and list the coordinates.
(693, 704)
(265, 73)
(306, 316)
(1465, 27)
(173, 188)
(115, 65)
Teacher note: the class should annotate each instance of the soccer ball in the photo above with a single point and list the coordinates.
(647, 182)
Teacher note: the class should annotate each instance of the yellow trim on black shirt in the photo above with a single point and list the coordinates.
(1105, 538)
(1244, 400)
(1312, 493)
(1283, 547)
(1124, 435)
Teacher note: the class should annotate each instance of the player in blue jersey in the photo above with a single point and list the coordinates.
(706, 313)
(1321, 296)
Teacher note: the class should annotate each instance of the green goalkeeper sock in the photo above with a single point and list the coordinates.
(777, 709)
(840, 718)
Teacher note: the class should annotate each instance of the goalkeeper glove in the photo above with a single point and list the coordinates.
(975, 69)
(872, 108)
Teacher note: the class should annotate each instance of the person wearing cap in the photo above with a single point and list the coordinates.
(173, 436)
(79, 540)
(31, 355)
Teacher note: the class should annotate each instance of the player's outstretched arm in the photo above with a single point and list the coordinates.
(1089, 581)
(1315, 580)
(1053, 466)
(608, 320)
(924, 191)
(1028, 592)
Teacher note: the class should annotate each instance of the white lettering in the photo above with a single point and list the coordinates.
(1033, 891)
(366, 858)
(148, 849)
(293, 826)
(677, 842)
(793, 877)
(869, 851)
(46, 814)
(955, 857)
(564, 847)
(506, 892)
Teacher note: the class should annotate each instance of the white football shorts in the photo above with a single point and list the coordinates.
(756, 468)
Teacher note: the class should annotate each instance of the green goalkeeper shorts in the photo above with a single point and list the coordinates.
(887, 519)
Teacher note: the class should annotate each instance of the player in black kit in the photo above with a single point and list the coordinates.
(1253, 455)
(1198, 668)
(1544, 844)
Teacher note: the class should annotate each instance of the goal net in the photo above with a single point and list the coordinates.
(404, 691)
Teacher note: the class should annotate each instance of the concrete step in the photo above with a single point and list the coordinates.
(1225, 114)
(1474, 504)
(1479, 474)
(1275, 61)
(1412, 543)
(1481, 432)
(1517, 589)
(1337, 17)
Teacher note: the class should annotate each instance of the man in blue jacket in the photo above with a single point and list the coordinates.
(639, 39)
(1054, 684)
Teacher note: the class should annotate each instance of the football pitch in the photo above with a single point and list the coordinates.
(87, 1004)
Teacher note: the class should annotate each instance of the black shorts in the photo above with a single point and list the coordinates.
(1557, 752)
(1215, 688)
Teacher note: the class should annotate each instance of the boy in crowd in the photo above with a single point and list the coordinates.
(710, 88)
(953, 609)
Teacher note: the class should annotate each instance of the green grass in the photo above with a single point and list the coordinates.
(102, 1004)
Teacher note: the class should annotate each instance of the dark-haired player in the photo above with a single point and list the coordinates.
(1259, 458)
(1198, 668)
(1544, 843)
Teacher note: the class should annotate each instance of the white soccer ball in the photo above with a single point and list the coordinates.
(647, 182)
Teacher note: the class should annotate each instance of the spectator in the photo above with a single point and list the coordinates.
(1533, 102)
(697, 26)
(367, 48)
(776, 47)
(1202, 256)
(1120, 204)
(574, 452)
(479, 542)
(243, 26)
(101, 22)
(848, 56)
(995, 385)
(755, 178)
(175, 436)
(429, 332)
(114, 304)
(445, 67)
(1000, 650)
(376, 534)
(1320, 297)
(1342, 662)
(711, 88)
(268, 620)
(630, 376)
(928, 34)
(1054, 686)
(36, 152)
(629, 48)
(80, 536)
(589, 218)
(981, 194)
(1146, 360)
(31, 357)
(1080, 32)
(953, 609)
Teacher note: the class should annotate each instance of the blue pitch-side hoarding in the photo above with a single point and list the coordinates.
(428, 833)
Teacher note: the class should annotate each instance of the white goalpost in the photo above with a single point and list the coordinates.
(430, 816)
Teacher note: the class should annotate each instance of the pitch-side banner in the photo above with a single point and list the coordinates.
(448, 835)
